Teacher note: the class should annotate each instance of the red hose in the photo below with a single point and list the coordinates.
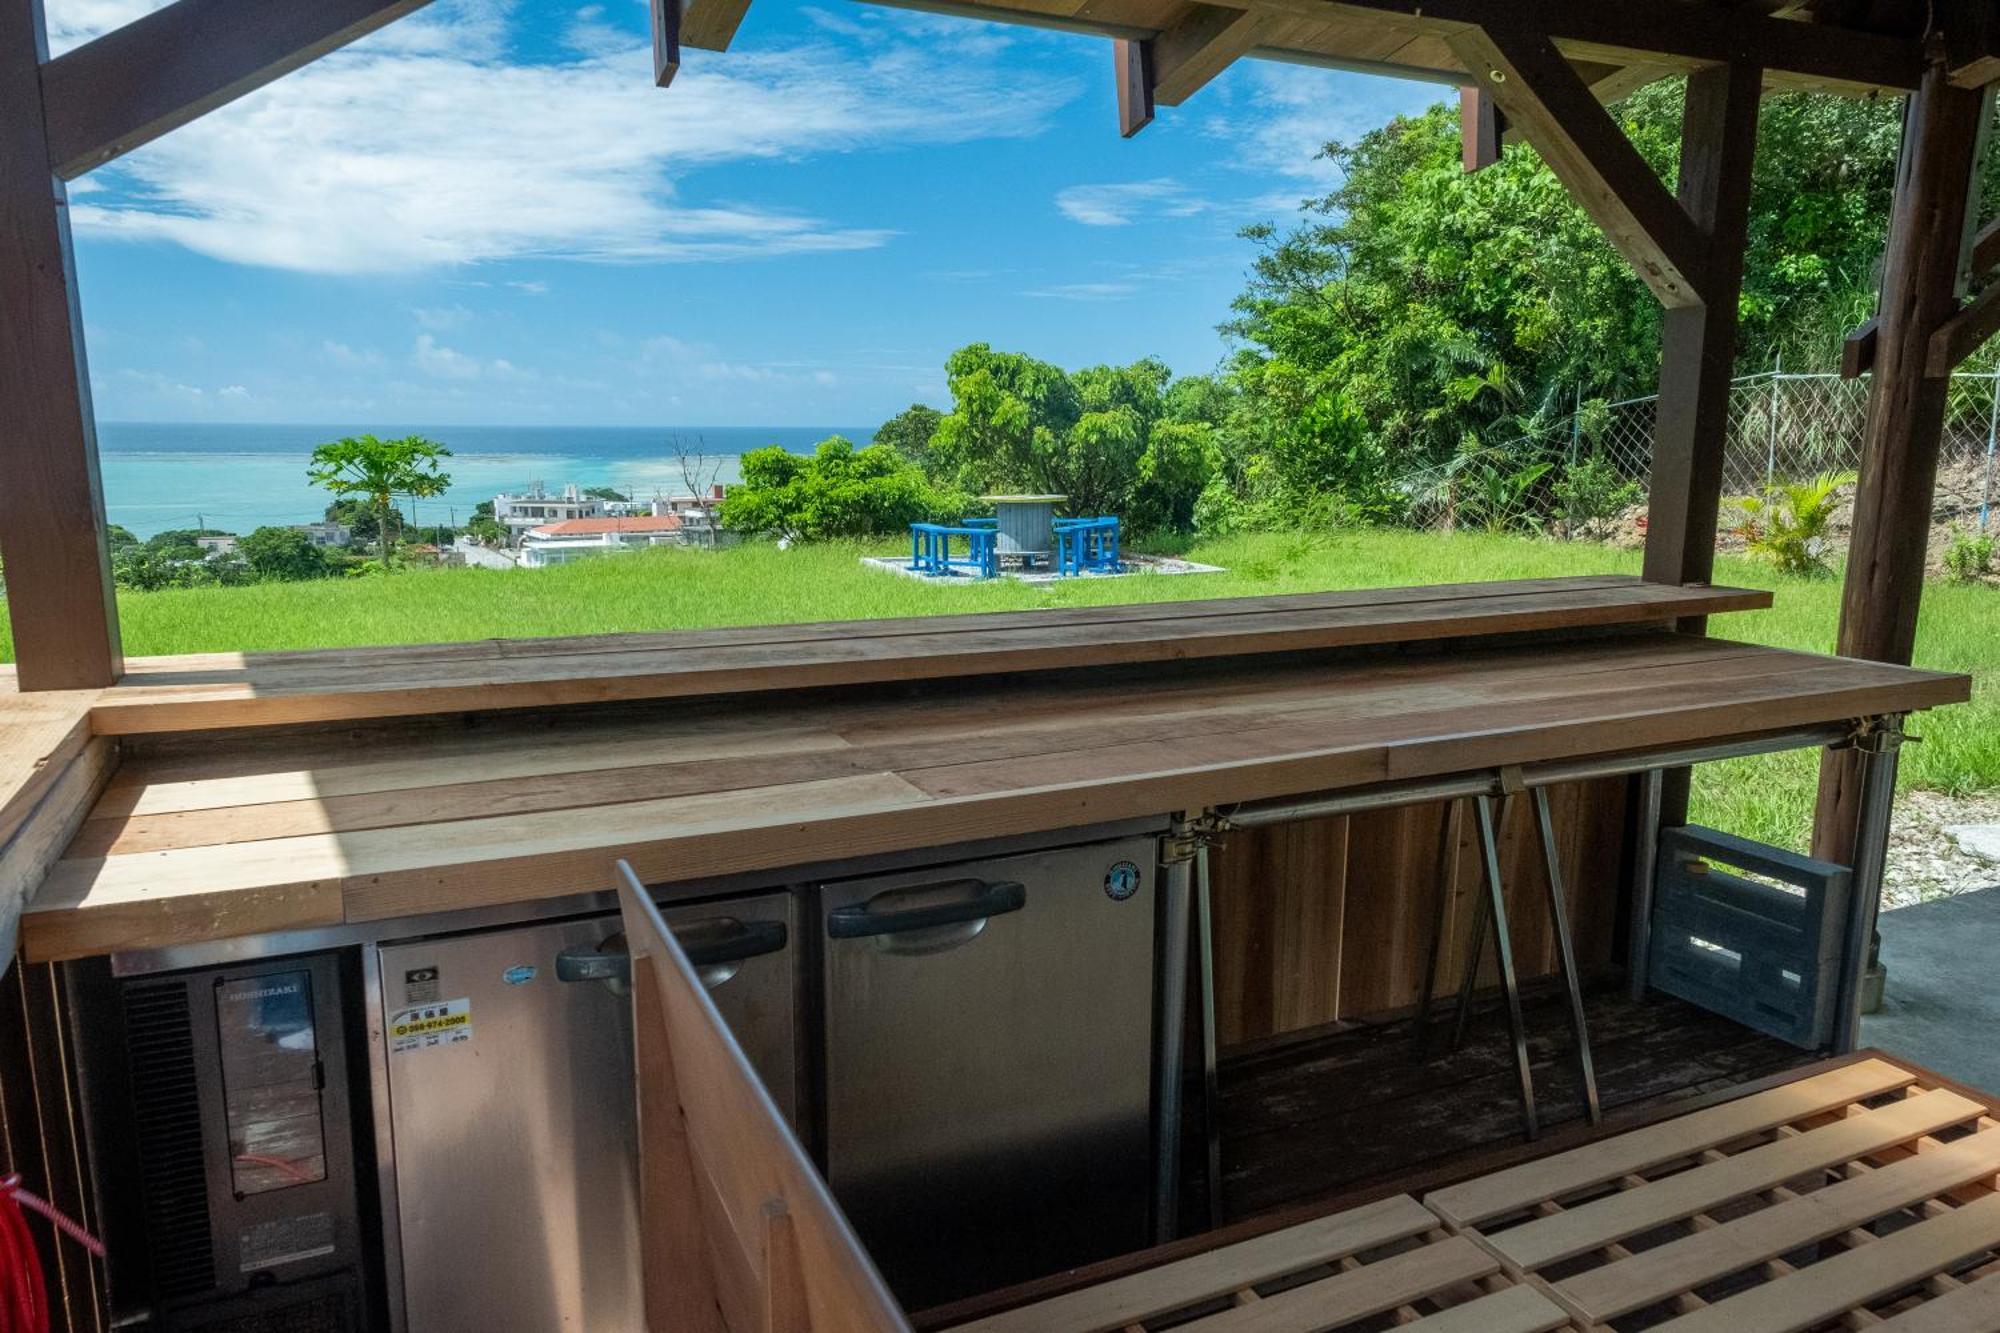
(23, 1298)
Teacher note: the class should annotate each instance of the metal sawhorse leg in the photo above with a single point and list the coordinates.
(1492, 915)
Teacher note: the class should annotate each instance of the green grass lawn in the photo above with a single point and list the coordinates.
(1769, 798)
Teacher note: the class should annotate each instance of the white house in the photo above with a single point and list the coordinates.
(520, 514)
(327, 533)
(587, 538)
(218, 545)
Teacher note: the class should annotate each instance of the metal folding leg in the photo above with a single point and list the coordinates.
(1447, 854)
(1566, 953)
(1211, 1099)
(1493, 914)
(1879, 746)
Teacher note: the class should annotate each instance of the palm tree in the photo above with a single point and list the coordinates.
(380, 470)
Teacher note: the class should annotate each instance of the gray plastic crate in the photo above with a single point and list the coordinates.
(1764, 955)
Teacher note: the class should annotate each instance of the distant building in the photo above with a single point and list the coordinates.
(221, 544)
(521, 514)
(588, 538)
(327, 533)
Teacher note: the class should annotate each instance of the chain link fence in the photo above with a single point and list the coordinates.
(1585, 475)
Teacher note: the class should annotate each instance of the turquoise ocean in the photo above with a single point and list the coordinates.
(238, 476)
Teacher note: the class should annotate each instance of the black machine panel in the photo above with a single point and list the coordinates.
(227, 1092)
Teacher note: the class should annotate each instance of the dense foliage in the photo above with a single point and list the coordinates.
(377, 471)
(837, 491)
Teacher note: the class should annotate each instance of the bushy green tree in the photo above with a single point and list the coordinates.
(909, 432)
(282, 555)
(837, 491)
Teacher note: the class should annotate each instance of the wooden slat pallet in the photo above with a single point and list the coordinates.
(1387, 1263)
(1866, 1196)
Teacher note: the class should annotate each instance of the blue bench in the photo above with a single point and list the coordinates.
(930, 549)
(1086, 546)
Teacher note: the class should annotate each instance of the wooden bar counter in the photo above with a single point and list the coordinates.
(248, 831)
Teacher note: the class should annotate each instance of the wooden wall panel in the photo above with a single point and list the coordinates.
(1331, 919)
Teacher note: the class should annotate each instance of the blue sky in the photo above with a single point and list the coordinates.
(486, 214)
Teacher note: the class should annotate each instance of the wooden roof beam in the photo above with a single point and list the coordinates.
(1199, 47)
(1971, 33)
(1481, 127)
(1543, 94)
(159, 72)
(710, 25)
(666, 23)
(1132, 66)
(1659, 33)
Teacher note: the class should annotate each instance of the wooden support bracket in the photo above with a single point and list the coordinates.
(1543, 94)
(163, 70)
(1857, 350)
(710, 25)
(1963, 334)
(666, 41)
(1970, 30)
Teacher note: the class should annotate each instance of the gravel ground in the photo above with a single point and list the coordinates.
(1924, 861)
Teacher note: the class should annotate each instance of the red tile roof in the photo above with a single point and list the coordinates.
(594, 527)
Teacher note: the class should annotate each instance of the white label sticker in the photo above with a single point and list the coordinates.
(445, 1023)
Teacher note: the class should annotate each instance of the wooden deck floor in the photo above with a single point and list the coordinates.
(1342, 1111)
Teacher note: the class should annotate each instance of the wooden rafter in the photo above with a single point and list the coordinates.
(1964, 333)
(1199, 47)
(1543, 94)
(1971, 33)
(1132, 67)
(156, 73)
(1481, 128)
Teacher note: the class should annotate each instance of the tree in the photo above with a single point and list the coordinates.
(839, 491)
(282, 555)
(594, 492)
(486, 529)
(909, 432)
(698, 473)
(379, 471)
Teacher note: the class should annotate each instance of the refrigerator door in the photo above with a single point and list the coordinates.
(989, 1036)
(511, 1110)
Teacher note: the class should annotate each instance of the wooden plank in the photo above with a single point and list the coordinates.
(1857, 349)
(1200, 46)
(1698, 342)
(168, 67)
(1132, 71)
(1588, 151)
(40, 840)
(1504, 1192)
(1600, 1222)
(1513, 1310)
(1279, 896)
(1357, 1293)
(1695, 1260)
(1973, 1308)
(1831, 1288)
(59, 598)
(1156, 1291)
(713, 1121)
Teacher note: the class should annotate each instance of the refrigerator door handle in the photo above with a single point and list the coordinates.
(930, 926)
(716, 947)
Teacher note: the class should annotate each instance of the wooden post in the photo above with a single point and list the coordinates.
(1906, 407)
(1698, 342)
(58, 568)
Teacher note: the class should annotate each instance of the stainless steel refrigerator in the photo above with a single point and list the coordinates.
(988, 1057)
(509, 1067)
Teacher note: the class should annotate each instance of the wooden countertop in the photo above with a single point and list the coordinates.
(239, 837)
(218, 690)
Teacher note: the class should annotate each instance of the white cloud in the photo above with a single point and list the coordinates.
(74, 22)
(1283, 116)
(1123, 204)
(440, 318)
(340, 354)
(423, 146)
(1088, 291)
(233, 391)
(441, 362)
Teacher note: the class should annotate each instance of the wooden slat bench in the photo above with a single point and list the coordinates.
(1861, 1194)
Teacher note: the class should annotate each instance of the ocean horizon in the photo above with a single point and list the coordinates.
(237, 476)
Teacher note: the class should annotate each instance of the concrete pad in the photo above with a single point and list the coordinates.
(1980, 840)
(1942, 1005)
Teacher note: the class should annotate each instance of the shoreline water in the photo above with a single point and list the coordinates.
(237, 476)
